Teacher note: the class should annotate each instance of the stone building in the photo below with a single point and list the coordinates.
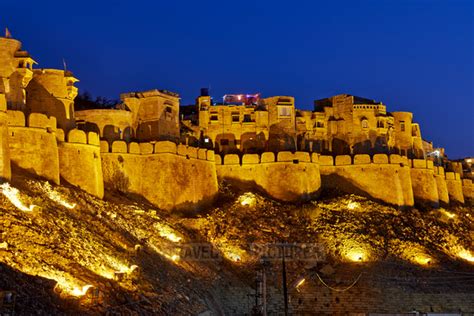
(142, 116)
(342, 124)
(52, 92)
(346, 124)
(263, 124)
(16, 72)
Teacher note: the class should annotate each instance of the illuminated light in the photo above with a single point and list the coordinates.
(353, 205)
(167, 232)
(356, 255)
(172, 257)
(56, 197)
(234, 257)
(206, 140)
(466, 255)
(247, 199)
(239, 97)
(422, 259)
(80, 291)
(447, 214)
(128, 270)
(415, 253)
(12, 194)
(300, 283)
(231, 252)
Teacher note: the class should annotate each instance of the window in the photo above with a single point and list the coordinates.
(284, 111)
(224, 142)
(235, 117)
(247, 118)
(319, 124)
(169, 109)
(365, 123)
(402, 126)
(214, 117)
(380, 124)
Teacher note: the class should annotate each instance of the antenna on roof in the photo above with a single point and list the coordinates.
(7, 33)
(64, 64)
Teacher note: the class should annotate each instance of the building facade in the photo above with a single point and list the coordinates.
(342, 124)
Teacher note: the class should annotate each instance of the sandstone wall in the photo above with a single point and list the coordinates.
(454, 184)
(111, 124)
(424, 184)
(80, 163)
(5, 170)
(468, 190)
(382, 178)
(33, 144)
(169, 176)
(289, 177)
(441, 185)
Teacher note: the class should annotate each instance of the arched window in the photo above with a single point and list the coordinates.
(364, 123)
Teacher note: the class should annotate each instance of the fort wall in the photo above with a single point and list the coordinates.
(424, 184)
(455, 189)
(441, 185)
(5, 169)
(381, 177)
(111, 124)
(32, 144)
(286, 177)
(468, 189)
(169, 176)
(80, 162)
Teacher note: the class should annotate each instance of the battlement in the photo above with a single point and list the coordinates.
(364, 159)
(267, 157)
(34, 120)
(151, 148)
(80, 137)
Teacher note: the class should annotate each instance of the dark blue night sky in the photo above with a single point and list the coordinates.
(412, 55)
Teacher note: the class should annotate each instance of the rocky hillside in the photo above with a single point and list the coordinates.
(63, 251)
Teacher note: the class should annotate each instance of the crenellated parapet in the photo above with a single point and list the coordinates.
(157, 148)
(33, 120)
(33, 145)
(410, 180)
(168, 175)
(455, 187)
(363, 175)
(424, 182)
(363, 159)
(80, 161)
(267, 157)
(285, 176)
(468, 190)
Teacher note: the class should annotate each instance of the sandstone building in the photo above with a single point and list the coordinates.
(342, 124)
(142, 116)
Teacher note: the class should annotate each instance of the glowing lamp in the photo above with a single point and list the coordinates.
(356, 255)
(466, 255)
(13, 195)
(422, 259)
(77, 291)
(353, 205)
(247, 199)
(300, 283)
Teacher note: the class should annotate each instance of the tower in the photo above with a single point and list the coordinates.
(15, 72)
